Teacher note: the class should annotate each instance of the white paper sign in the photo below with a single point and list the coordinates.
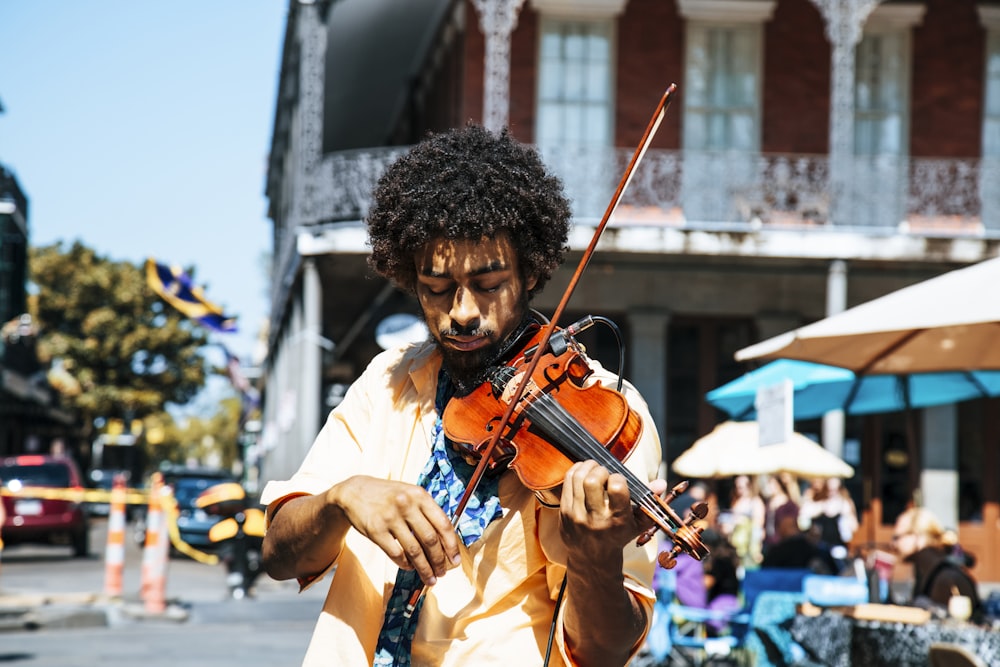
(774, 413)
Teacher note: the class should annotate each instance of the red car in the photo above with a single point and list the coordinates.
(43, 520)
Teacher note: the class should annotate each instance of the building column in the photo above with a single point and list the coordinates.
(844, 22)
(939, 472)
(497, 20)
(649, 362)
(836, 302)
(310, 355)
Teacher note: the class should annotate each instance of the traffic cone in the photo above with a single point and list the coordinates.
(154, 556)
(114, 553)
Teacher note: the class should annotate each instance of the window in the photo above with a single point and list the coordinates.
(881, 117)
(880, 94)
(721, 119)
(722, 97)
(574, 83)
(991, 117)
(989, 175)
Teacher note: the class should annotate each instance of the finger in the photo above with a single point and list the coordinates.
(658, 486)
(415, 557)
(573, 490)
(619, 496)
(595, 488)
(447, 538)
(429, 542)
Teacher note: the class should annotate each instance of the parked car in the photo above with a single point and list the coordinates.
(193, 523)
(44, 520)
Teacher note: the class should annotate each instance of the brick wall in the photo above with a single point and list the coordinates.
(947, 87)
(948, 68)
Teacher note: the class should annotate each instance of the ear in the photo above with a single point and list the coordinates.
(530, 282)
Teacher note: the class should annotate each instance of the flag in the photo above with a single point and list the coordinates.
(248, 393)
(235, 372)
(174, 286)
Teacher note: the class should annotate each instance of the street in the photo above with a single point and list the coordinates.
(77, 626)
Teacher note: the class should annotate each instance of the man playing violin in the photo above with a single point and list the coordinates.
(471, 223)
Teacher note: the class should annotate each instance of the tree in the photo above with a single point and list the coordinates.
(129, 352)
(212, 440)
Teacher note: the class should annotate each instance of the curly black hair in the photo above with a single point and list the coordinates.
(468, 184)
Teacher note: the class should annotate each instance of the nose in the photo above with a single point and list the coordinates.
(464, 309)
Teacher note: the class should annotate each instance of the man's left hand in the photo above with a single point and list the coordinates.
(596, 510)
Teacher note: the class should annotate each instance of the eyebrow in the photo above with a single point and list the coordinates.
(493, 267)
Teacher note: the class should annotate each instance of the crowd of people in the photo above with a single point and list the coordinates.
(779, 521)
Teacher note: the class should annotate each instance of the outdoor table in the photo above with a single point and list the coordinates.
(838, 640)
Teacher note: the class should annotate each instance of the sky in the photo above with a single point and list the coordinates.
(142, 129)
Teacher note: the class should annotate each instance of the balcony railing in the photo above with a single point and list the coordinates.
(882, 194)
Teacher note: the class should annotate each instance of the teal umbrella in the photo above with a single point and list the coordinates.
(818, 389)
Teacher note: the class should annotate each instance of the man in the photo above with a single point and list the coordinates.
(471, 223)
(938, 574)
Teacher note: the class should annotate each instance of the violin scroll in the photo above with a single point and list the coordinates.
(686, 537)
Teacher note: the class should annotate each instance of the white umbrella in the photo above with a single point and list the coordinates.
(947, 323)
(733, 448)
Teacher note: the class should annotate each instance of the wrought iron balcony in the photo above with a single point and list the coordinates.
(701, 190)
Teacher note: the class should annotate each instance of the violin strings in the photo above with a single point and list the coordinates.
(555, 420)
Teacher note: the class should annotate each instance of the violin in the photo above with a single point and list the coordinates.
(558, 419)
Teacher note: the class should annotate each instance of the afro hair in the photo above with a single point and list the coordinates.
(468, 184)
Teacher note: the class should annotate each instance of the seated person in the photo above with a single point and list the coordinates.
(919, 539)
(798, 549)
(712, 583)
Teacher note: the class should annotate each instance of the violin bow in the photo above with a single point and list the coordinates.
(477, 474)
(640, 151)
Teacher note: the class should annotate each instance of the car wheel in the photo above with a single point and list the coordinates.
(81, 543)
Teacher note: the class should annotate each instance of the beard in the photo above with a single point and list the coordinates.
(469, 370)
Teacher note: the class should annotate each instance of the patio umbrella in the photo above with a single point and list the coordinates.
(947, 323)
(733, 448)
(818, 389)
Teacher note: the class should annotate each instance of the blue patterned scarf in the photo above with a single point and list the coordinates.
(444, 476)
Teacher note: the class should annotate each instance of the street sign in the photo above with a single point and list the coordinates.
(774, 413)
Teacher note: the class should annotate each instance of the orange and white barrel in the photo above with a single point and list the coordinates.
(114, 552)
(155, 551)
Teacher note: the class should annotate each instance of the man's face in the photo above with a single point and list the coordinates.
(473, 298)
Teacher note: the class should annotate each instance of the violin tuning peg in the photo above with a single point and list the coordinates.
(668, 559)
(698, 511)
(674, 492)
(646, 536)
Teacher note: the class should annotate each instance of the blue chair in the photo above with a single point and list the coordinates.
(832, 591)
(781, 579)
(771, 596)
(693, 643)
(692, 635)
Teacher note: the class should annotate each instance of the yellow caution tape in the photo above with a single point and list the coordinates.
(132, 497)
(170, 507)
(78, 495)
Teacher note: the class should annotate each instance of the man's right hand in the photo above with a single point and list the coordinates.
(403, 520)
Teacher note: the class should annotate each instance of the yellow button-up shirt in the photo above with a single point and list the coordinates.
(496, 607)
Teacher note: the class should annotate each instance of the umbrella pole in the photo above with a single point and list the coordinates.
(910, 418)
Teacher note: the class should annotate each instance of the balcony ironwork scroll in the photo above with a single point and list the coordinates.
(889, 194)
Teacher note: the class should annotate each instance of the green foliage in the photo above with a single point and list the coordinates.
(129, 352)
(209, 441)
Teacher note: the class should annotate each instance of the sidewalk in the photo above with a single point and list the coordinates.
(22, 610)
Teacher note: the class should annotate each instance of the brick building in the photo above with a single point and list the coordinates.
(820, 153)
